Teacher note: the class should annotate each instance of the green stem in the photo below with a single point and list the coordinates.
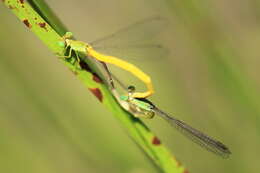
(46, 26)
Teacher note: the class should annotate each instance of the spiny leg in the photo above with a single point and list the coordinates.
(77, 59)
(66, 56)
(70, 54)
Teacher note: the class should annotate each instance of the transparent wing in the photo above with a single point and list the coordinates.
(135, 33)
(134, 41)
(136, 52)
(196, 136)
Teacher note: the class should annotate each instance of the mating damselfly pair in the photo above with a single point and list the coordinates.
(136, 102)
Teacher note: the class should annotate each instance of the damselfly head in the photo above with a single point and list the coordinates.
(131, 90)
(68, 35)
(64, 41)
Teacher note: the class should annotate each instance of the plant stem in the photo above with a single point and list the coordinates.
(46, 26)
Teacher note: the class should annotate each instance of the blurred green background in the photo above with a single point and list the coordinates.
(51, 123)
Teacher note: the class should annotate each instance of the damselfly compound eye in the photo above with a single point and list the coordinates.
(131, 89)
(68, 35)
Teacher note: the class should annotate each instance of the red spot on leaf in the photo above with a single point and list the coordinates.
(96, 78)
(97, 93)
(26, 22)
(42, 25)
(86, 67)
(185, 171)
(156, 141)
(21, 1)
